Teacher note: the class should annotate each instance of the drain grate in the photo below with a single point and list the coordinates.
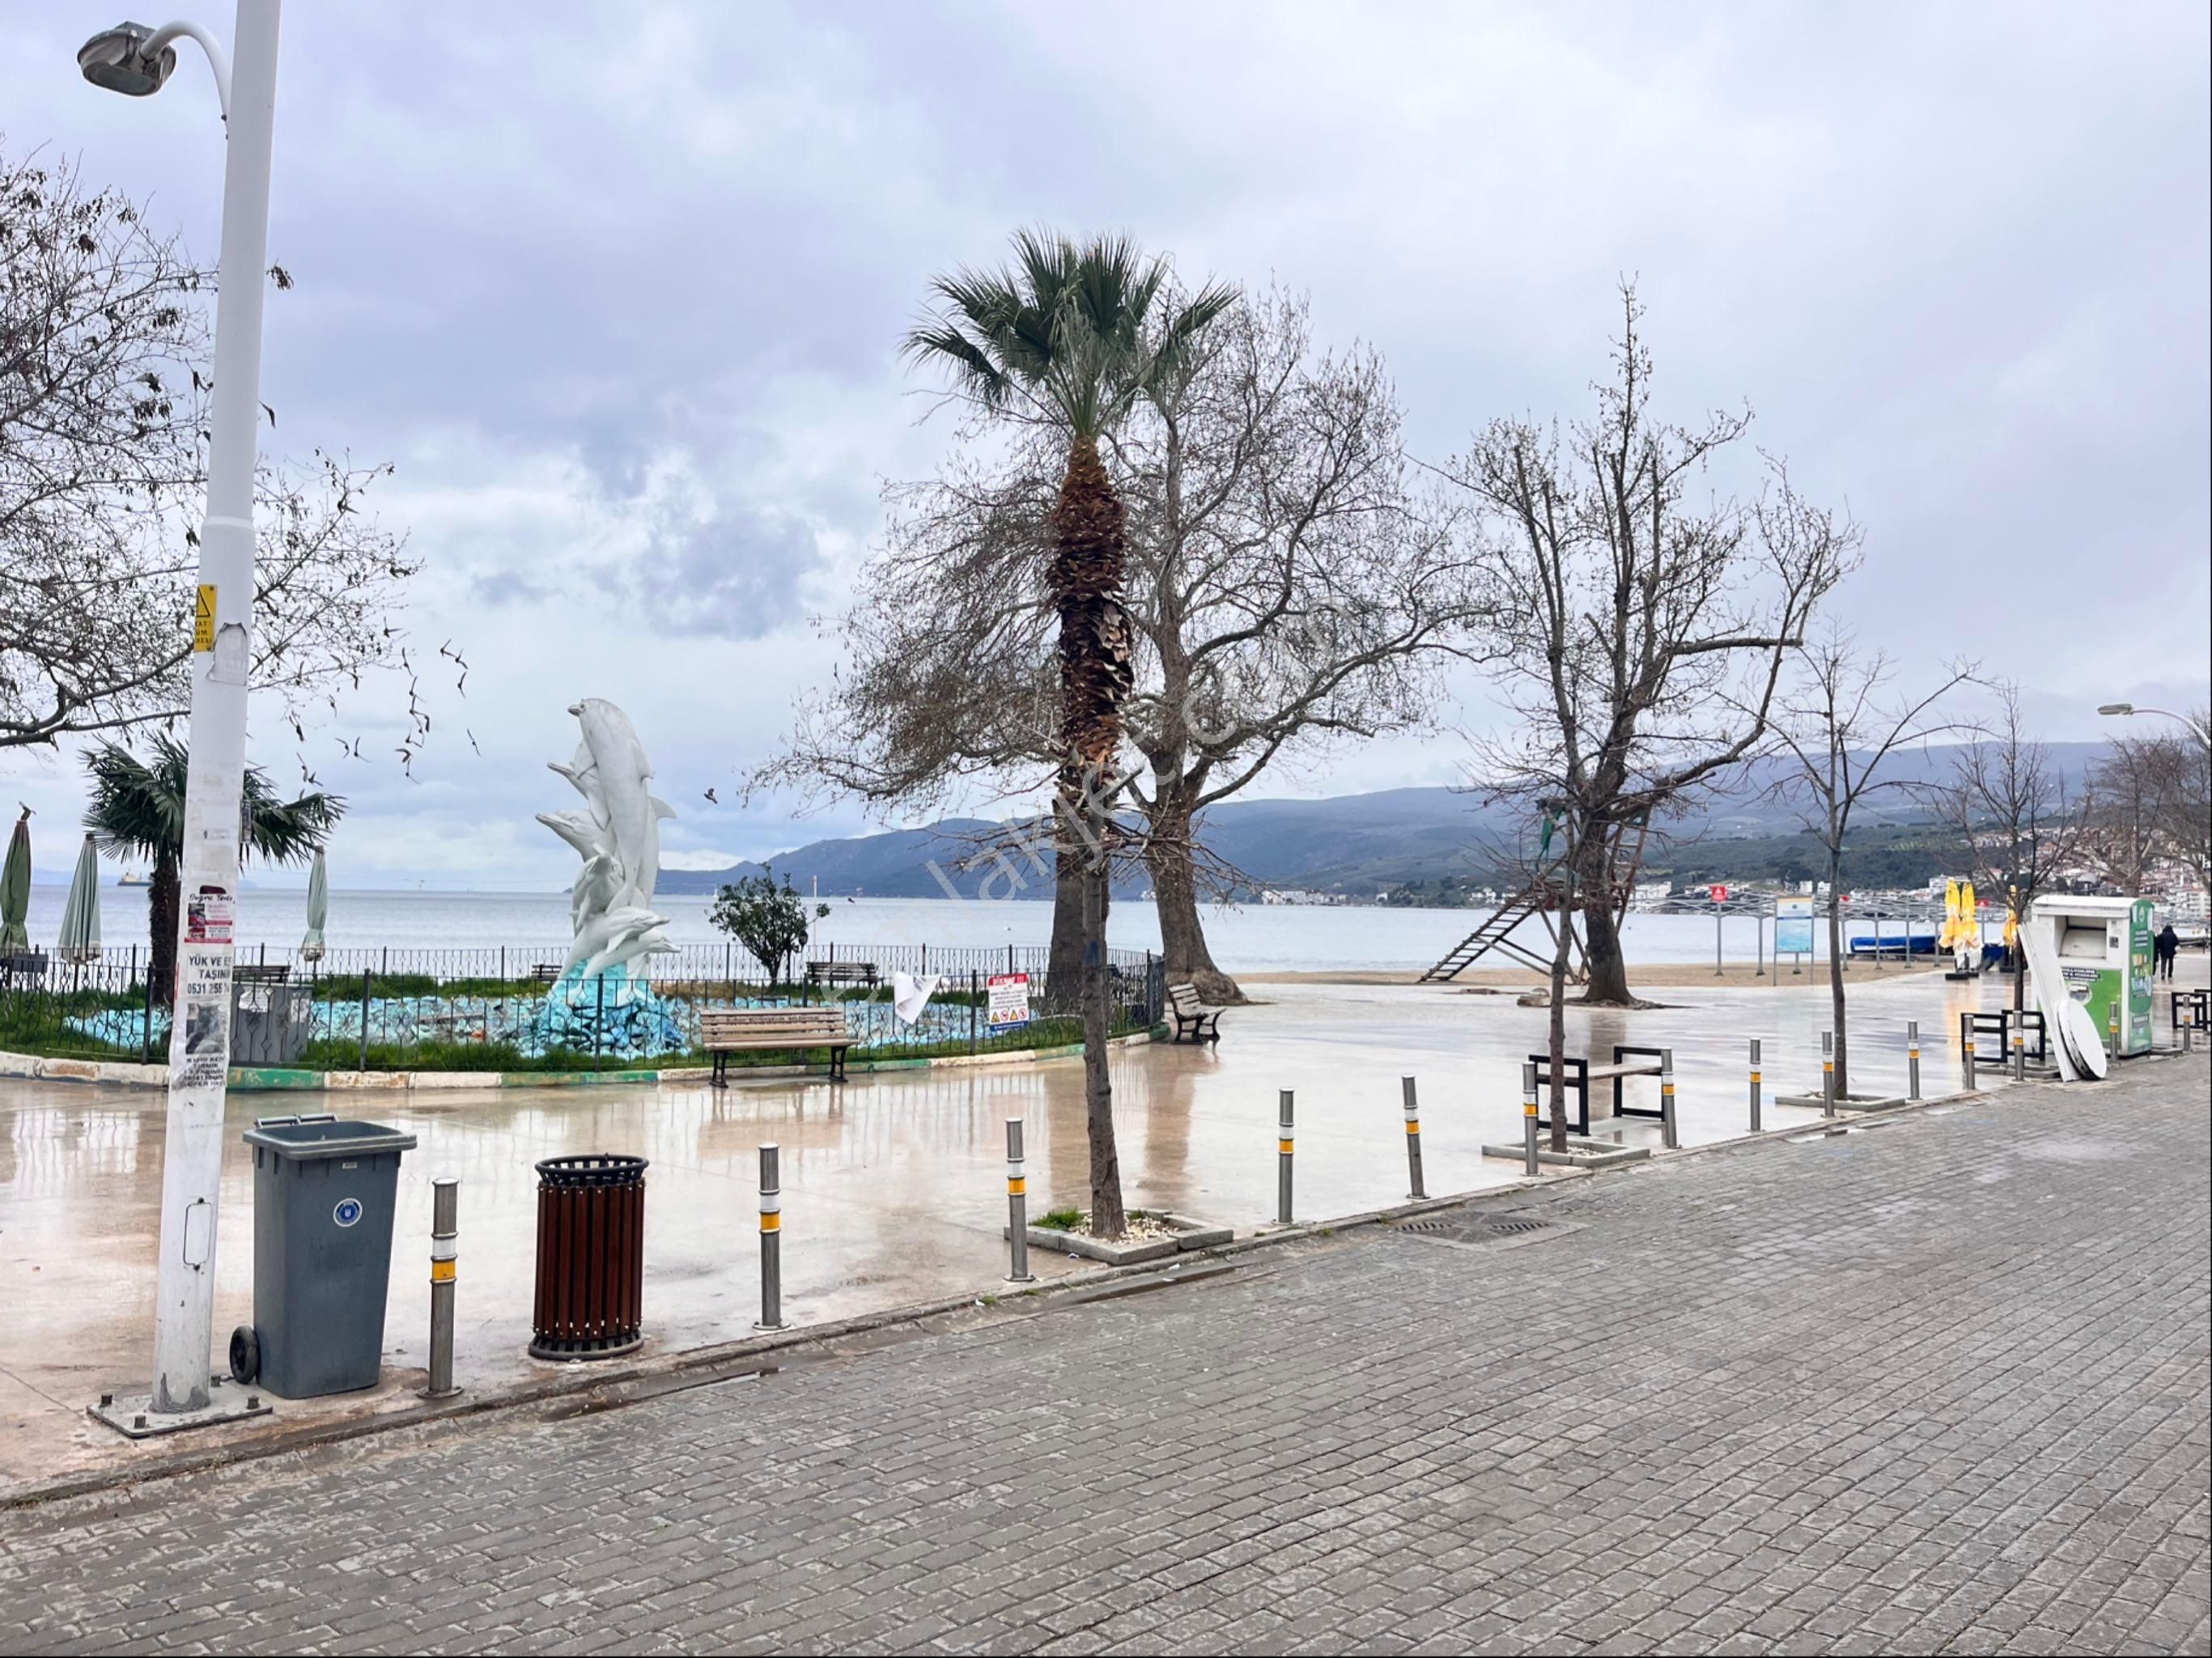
(1484, 1229)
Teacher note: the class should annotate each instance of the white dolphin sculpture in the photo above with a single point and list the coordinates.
(617, 835)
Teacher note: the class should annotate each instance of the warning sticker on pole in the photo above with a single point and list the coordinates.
(204, 619)
(209, 914)
(1010, 1000)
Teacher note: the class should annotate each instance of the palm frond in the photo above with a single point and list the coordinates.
(137, 807)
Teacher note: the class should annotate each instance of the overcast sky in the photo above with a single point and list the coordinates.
(619, 292)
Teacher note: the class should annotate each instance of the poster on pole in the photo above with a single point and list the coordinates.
(1009, 1001)
(1793, 926)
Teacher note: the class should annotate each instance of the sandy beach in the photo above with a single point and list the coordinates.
(1662, 975)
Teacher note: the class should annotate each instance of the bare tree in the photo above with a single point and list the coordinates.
(1643, 636)
(1836, 726)
(103, 336)
(1287, 589)
(2124, 828)
(2183, 767)
(2017, 828)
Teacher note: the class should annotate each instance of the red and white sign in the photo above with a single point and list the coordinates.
(1719, 893)
(1010, 1000)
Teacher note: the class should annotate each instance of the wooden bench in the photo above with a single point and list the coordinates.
(727, 1031)
(255, 973)
(830, 974)
(1192, 1018)
(1581, 1073)
(545, 975)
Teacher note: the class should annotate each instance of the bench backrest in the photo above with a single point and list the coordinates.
(1185, 998)
(741, 1024)
(836, 970)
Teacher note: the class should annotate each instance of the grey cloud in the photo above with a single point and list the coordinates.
(502, 587)
(737, 575)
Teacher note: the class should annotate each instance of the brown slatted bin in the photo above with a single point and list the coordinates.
(591, 1257)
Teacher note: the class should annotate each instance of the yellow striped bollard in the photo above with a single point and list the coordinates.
(1755, 1100)
(1668, 1136)
(771, 1225)
(1283, 1162)
(445, 1267)
(1413, 1136)
(1018, 1205)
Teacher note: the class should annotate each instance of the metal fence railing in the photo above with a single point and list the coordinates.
(514, 1007)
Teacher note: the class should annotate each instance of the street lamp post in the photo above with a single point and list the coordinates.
(2126, 709)
(133, 60)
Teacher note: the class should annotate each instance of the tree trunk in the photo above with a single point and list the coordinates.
(1558, 1043)
(1608, 968)
(1063, 972)
(1168, 856)
(161, 929)
(1089, 555)
(1107, 1219)
(1836, 977)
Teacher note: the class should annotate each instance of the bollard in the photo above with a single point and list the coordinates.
(1018, 1205)
(1413, 1136)
(1966, 1051)
(1668, 1137)
(1529, 1115)
(771, 1225)
(1754, 1085)
(1283, 1162)
(445, 1230)
(1913, 1059)
(2019, 1050)
(1827, 1073)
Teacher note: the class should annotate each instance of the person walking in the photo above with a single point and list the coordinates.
(2165, 948)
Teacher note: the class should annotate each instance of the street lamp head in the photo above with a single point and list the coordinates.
(117, 59)
(2117, 707)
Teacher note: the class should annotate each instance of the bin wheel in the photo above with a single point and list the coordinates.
(245, 1354)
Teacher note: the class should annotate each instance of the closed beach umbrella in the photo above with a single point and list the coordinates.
(319, 910)
(80, 937)
(15, 887)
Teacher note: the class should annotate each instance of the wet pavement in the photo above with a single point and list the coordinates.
(893, 1192)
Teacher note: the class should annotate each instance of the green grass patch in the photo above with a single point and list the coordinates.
(1060, 1220)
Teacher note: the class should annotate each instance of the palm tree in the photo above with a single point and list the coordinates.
(1068, 333)
(137, 811)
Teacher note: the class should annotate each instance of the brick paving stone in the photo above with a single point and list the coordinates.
(1940, 1385)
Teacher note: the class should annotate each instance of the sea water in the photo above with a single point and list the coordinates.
(1244, 937)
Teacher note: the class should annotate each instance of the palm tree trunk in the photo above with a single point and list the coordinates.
(161, 928)
(1095, 674)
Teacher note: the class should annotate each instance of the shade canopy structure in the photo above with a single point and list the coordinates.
(15, 888)
(319, 910)
(80, 935)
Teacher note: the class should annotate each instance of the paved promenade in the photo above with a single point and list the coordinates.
(1937, 1385)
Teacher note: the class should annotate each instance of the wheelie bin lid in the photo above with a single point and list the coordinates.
(304, 1138)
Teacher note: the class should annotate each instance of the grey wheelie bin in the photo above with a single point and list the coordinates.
(323, 1191)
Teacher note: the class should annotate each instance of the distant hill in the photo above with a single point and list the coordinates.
(1359, 844)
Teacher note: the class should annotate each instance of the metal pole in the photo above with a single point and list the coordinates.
(1283, 1160)
(1755, 1100)
(1017, 1204)
(445, 1230)
(2018, 1049)
(771, 1229)
(1528, 1118)
(1827, 1073)
(1966, 1050)
(1669, 1136)
(1758, 943)
(1717, 942)
(364, 1019)
(222, 657)
(1413, 1136)
(1912, 1059)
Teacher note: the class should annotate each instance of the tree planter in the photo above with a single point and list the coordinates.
(1846, 1102)
(1162, 1235)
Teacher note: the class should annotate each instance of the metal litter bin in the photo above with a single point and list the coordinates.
(591, 1257)
(323, 1191)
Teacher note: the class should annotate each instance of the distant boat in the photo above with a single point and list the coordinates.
(130, 877)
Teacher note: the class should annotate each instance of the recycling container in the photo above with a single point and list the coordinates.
(591, 1257)
(323, 1191)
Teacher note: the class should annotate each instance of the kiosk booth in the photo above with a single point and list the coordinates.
(2102, 947)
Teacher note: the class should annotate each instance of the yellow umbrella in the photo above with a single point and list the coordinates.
(1969, 921)
(1949, 937)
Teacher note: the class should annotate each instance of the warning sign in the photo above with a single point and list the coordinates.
(209, 914)
(204, 619)
(1010, 1000)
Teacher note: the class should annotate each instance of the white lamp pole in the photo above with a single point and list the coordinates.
(2125, 709)
(130, 61)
